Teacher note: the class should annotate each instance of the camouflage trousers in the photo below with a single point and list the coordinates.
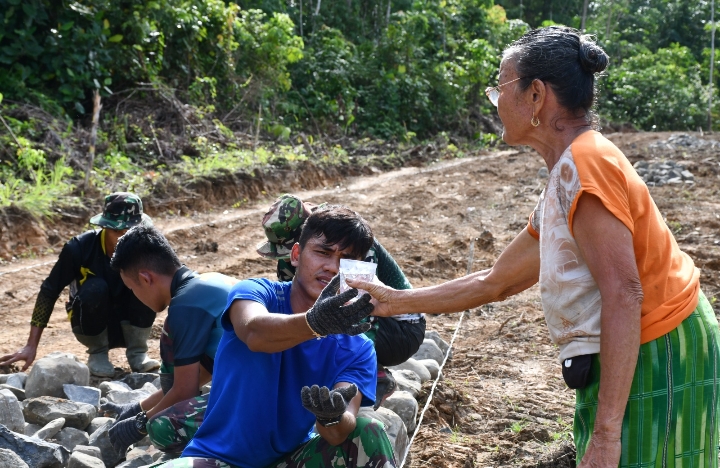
(171, 429)
(367, 446)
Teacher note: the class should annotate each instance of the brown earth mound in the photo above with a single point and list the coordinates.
(502, 401)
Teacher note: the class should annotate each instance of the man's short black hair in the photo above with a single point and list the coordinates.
(341, 226)
(144, 247)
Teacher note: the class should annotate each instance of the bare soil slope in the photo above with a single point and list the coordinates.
(502, 401)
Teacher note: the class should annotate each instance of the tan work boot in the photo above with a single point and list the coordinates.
(98, 360)
(136, 352)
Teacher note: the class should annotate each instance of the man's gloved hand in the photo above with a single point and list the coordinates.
(329, 315)
(127, 432)
(328, 406)
(122, 411)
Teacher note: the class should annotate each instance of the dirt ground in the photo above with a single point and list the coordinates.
(502, 401)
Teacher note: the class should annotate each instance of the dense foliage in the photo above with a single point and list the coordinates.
(195, 74)
(389, 68)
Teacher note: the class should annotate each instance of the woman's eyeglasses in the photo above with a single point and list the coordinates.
(494, 93)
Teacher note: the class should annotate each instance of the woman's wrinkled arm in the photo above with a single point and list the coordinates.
(517, 269)
(607, 246)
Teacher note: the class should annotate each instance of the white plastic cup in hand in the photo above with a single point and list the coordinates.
(356, 270)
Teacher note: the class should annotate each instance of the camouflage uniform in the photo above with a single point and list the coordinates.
(367, 446)
(171, 429)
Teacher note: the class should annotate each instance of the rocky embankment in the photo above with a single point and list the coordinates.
(51, 417)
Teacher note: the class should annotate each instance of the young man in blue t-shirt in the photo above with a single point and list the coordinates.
(292, 360)
(149, 266)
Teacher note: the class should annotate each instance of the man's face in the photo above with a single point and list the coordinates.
(113, 235)
(316, 264)
(144, 290)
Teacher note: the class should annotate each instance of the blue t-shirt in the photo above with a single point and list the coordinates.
(255, 415)
(192, 329)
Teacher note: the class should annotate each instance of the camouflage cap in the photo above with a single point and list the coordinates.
(282, 224)
(123, 210)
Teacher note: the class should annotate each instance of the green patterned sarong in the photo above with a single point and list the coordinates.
(671, 419)
(367, 446)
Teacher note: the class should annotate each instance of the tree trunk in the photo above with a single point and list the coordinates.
(93, 135)
(584, 15)
(712, 62)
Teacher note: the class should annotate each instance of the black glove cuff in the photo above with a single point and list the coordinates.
(141, 423)
(329, 422)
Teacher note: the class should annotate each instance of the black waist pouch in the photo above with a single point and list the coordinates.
(576, 371)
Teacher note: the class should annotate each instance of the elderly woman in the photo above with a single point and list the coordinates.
(637, 337)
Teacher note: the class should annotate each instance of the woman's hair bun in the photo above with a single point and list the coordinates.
(592, 58)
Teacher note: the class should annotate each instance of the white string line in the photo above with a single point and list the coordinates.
(447, 354)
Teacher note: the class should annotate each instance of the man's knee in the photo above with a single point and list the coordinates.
(93, 295)
(373, 444)
(88, 307)
(172, 428)
(396, 341)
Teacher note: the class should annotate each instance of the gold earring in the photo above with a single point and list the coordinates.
(534, 121)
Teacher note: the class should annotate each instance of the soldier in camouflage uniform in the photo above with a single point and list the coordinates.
(103, 312)
(396, 338)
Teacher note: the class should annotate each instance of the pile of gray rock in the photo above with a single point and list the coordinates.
(659, 173)
(682, 141)
(50, 417)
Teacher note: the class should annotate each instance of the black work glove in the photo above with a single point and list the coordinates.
(327, 405)
(127, 432)
(122, 412)
(328, 316)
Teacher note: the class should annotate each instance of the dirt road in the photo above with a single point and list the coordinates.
(502, 401)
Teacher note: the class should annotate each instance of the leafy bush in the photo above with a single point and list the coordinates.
(656, 91)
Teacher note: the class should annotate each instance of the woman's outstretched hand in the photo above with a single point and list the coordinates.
(383, 296)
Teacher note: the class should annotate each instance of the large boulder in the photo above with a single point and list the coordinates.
(16, 380)
(404, 405)
(36, 453)
(31, 429)
(136, 380)
(124, 397)
(413, 365)
(137, 462)
(18, 392)
(81, 460)
(49, 373)
(97, 423)
(429, 350)
(432, 366)
(408, 381)
(79, 393)
(70, 438)
(394, 428)
(50, 429)
(11, 415)
(88, 450)
(113, 385)
(101, 440)
(442, 344)
(8, 459)
(44, 409)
